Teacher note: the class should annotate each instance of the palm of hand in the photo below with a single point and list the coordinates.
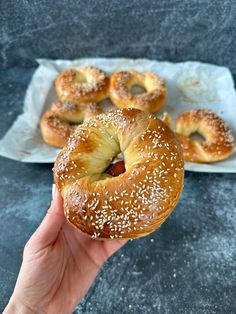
(59, 267)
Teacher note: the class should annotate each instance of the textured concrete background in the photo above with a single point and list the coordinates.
(188, 265)
(172, 30)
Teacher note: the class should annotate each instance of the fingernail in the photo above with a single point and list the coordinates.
(53, 191)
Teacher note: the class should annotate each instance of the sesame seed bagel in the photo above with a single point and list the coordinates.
(60, 122)
(122, 97)
(85, 84)
(218, 144)
(137, 201)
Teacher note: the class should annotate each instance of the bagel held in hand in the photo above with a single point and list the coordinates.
(218, 144)
(59, 123)
(137, 201)
(82, 85)
(122, 97)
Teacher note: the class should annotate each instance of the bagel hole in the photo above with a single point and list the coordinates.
(116, 169)
(138, 89)
(196, 136)
(117, 166)
(71, 123)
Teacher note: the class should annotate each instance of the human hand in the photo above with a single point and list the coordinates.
(59, 265)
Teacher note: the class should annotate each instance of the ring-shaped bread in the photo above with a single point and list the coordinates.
(137, 201)
(218, 143)
(84, 84)
(150, 101)
(61, 120)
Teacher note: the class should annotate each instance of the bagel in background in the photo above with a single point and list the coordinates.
(218, 143)
(83, 85)
(61, 120)
(150, 101)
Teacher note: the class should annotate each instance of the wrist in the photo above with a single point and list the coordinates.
(16, 307)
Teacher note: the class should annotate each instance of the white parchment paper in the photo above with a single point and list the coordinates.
(190, 85)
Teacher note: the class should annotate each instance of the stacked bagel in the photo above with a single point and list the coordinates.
(133, 197)
(79, 92)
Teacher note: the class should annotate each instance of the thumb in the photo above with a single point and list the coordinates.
(49, 228)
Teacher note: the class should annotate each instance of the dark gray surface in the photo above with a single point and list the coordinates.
(188, 265)
(165, 29)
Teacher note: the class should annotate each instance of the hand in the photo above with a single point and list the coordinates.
(59, 265)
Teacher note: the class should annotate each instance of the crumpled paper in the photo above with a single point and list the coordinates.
(190, 85)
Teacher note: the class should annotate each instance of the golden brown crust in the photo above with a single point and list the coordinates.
(151, 101)
(82, 85)
(218, 144)
(137, 201)
(59, 123)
